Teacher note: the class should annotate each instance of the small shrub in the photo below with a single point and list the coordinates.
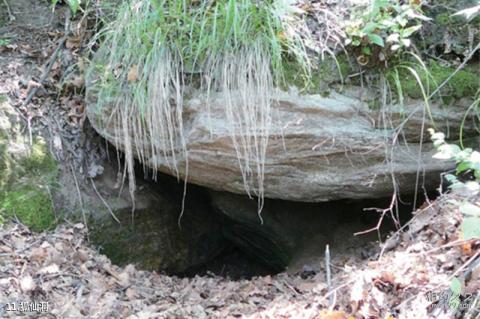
(380, 41)
(468, 161)
(383, 32)
(74, 5)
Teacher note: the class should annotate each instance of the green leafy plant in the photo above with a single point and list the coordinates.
(73, 4)
(468, 161)
(384, 30)
(472, 108)
(381, 41)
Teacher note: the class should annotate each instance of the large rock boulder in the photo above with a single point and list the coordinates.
(319, 149)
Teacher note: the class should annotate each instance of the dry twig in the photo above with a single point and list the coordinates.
(49, 65)
(328, 274)
(104, 202)
(384, 212)
(465, 265)
(9, 11)
(80, 199)
(394, 239)
(48, 68)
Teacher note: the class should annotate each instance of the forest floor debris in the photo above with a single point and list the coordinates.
(59, 273)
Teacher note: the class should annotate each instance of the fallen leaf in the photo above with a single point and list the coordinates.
(80, 256)
(5, 249)
(132, 74)
(52, 269)
(334, 314)
(33, 84)
(27, 284)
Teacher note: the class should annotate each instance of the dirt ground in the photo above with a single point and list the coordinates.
(59, 274)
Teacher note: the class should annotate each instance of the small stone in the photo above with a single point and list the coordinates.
(27, 284)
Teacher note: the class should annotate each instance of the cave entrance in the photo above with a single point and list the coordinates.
(221, 234)
(294, 235)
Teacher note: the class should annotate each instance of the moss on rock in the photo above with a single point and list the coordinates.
(464, 83)
(4, 160)
(31, 205)
(39, 162)
(25, 180)
(327, 72)
(447, 33)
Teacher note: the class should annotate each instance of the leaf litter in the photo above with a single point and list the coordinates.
(61, 268)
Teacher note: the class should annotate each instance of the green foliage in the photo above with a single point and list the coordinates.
(5, 161)
(39, 163)
(380, 39)
(465, 83)
(456, 290)
(384, 30)
(448, 20)
(31, 205)
(4, 42)
(423, 84)
(328, 71)
(25, 185)
(73, 4)
(381, 42)
(157, 49)
(200, 30)
(467, 160)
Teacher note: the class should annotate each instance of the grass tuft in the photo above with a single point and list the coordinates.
(155, 49)
(464, 83)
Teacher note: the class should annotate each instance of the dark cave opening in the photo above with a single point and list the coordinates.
(239, 261)
(220, 234)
